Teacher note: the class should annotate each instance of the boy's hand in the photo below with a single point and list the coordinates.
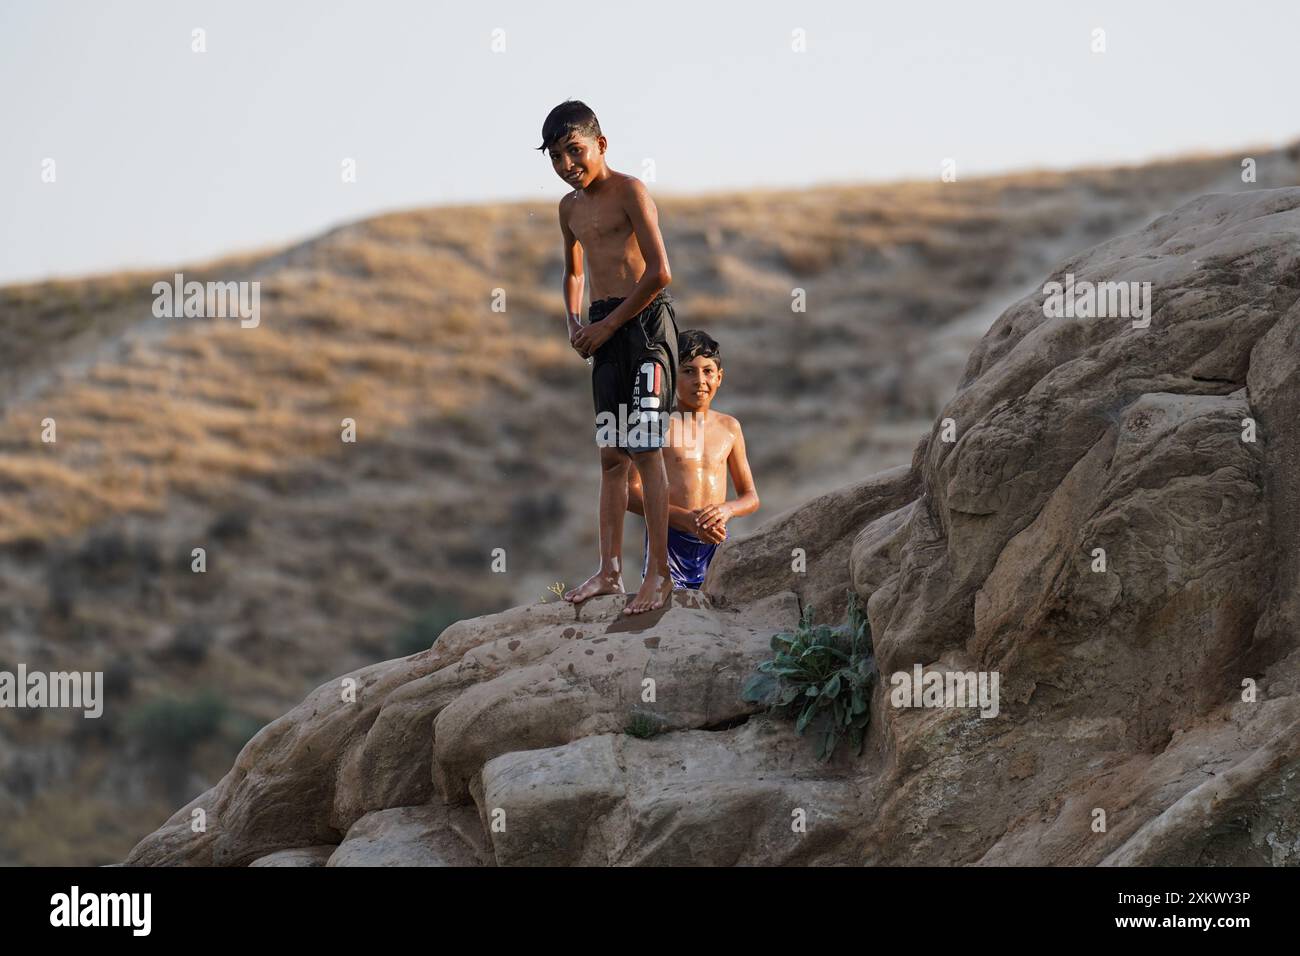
(716, 534)
(575, 326)
(713, 514)
(681, 519)
(712, 523)
(591, 337)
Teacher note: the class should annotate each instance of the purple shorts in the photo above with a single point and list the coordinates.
(688, 558)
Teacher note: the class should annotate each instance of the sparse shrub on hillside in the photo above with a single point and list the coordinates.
(421, 633)
(62, 583)
(240, 728)
(26, 548)
(146, 556)
(465, 557)
(230, 525)
(103, 552)
(537, 510)
(822, 677)
(190, 643)
(108, 557)
(119, 676)
(99, 732)
(170, 728)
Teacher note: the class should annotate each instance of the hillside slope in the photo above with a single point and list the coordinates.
(324, 557)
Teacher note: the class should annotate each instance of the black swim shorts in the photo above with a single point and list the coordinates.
(634, 376)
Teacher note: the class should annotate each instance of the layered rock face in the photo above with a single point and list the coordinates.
(1104, 523)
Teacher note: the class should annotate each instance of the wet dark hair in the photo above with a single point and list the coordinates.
(693, 343)
(571, 116)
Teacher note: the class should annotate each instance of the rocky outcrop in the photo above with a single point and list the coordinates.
(1099, 533)
(1104, 517)
(428, 835)
(806, 550)
(422, 732)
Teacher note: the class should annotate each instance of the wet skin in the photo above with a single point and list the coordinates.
(610, 225)
(704, 447)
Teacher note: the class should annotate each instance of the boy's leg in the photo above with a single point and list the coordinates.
(608, 579)
(652, 389)
(608, 381)
(653, 382)
(657, 587)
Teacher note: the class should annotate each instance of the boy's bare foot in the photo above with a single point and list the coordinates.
(656, 591)
(598, 583)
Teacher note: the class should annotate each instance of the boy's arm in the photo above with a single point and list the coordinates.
(640, 209)
(678, 517)
(746, 501)
(573, 275)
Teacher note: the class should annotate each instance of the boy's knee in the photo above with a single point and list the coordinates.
(651, 458)
(614, 460)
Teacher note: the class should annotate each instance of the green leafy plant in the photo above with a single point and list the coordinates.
(822, 677)
(644, 725)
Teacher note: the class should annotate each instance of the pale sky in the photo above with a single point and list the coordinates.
(164, 156)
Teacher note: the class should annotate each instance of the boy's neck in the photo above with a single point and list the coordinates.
(598, 182)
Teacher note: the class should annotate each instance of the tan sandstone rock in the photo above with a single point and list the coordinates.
(430, 835)
(1088, 520)
(303, 856)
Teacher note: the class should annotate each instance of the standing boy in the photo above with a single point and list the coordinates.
(610, 223)
(704, 446)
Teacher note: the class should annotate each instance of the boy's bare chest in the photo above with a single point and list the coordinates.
(599, 221)
(698, 448)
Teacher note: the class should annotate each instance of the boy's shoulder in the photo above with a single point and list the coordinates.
(730, 422)
(625, 185)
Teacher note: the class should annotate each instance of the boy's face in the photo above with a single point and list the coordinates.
(577, 159)
(697, 383)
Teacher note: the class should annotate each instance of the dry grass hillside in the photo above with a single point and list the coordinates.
(473, 433)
